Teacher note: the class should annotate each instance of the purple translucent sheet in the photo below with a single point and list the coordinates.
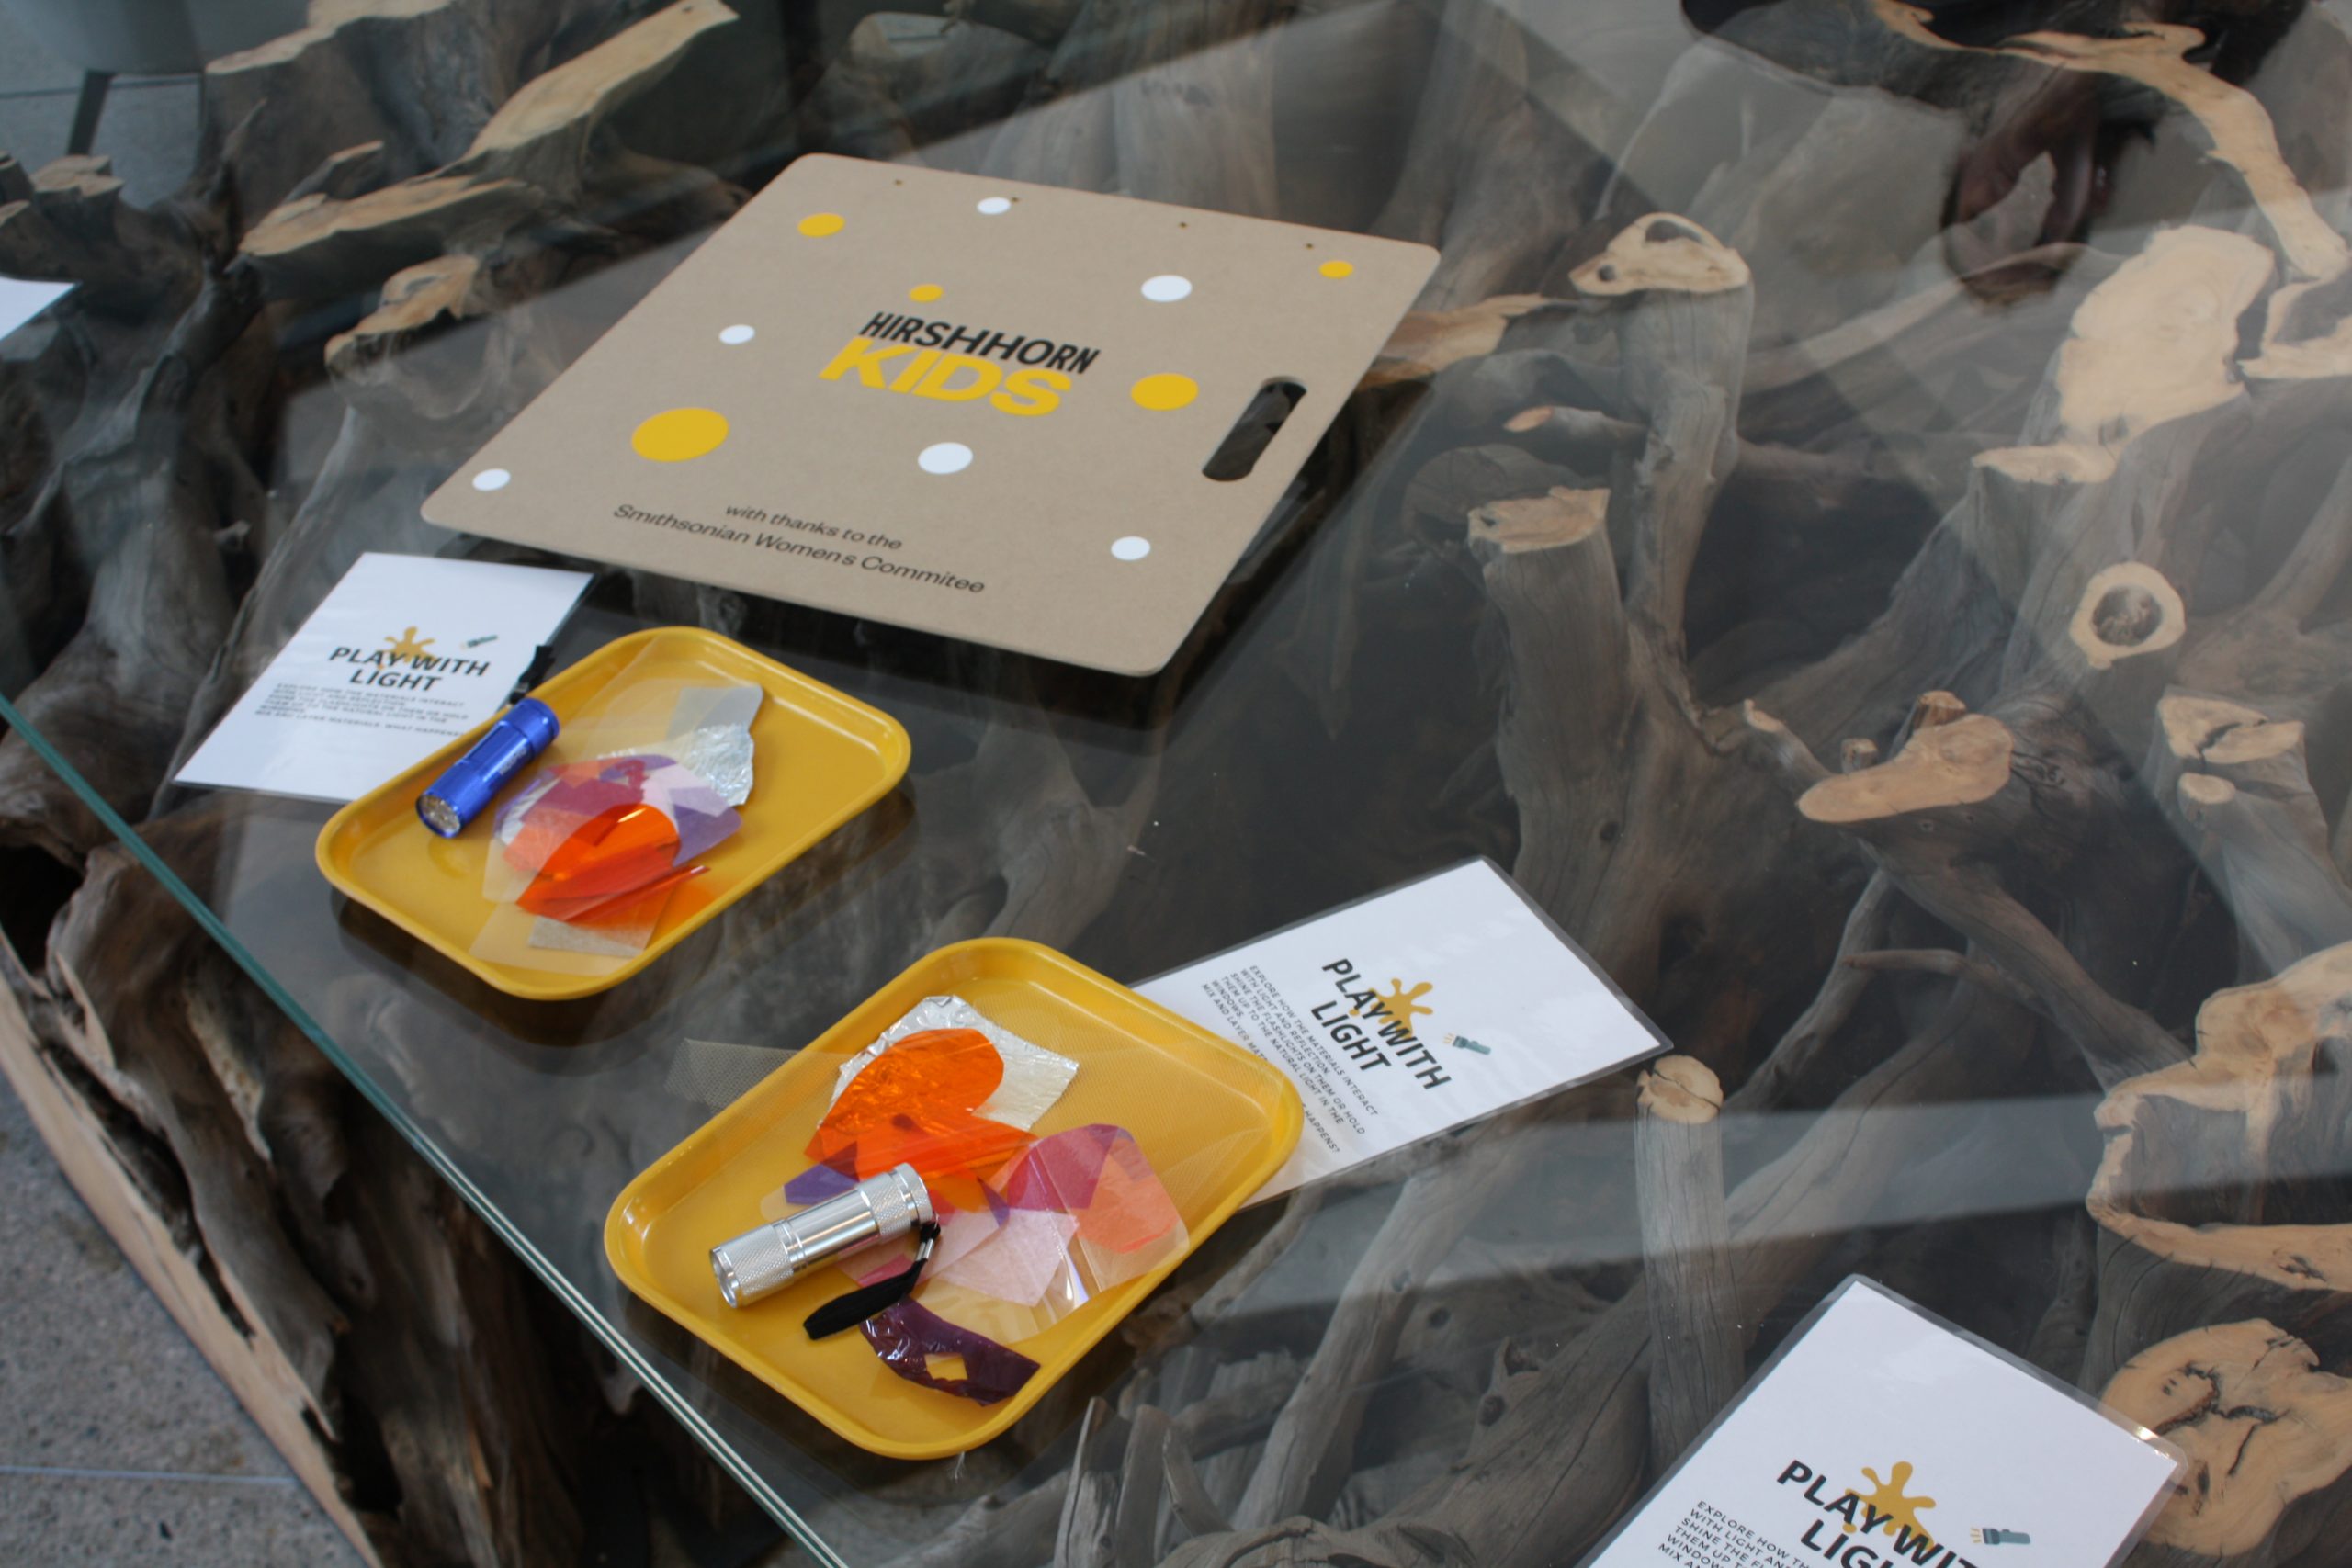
(907, 1338)
(703, 816)
(816, 1184)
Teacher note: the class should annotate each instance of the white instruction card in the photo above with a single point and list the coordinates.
(21, 301)
(403, 656)
(1412, 1012)
(1882, 1438)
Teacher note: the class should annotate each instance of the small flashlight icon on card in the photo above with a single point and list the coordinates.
(1989, 1536)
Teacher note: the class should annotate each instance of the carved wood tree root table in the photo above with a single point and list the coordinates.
(1858, 525)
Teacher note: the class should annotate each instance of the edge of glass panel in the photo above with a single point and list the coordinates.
(606, 1332)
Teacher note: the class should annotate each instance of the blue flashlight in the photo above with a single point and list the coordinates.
(458, 797)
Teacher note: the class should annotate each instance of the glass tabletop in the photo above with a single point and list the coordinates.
(1855, 526)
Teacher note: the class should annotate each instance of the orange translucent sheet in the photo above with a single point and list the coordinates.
(915, 1105)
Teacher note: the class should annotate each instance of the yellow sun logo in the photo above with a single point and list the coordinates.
(1888, 1502)
(1400, 1004)
(408, 644)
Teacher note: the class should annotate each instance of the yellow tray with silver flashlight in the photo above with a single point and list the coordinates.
(1215, 1121)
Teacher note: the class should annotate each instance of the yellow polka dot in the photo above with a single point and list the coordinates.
(817, 225)
(925, 291)
(1336, 268)
(1165, 390)
(675, 436)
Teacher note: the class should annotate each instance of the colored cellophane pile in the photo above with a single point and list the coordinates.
(1032, 1225)
(603, 845)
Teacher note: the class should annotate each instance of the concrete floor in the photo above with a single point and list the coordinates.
(117, 1445)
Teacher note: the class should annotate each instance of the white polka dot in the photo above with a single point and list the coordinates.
(945, 457)
(1166, 288)
(992, 205)
(738, 334)
(491, 478)
(1131, 547)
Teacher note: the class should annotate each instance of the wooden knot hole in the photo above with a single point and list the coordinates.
(2127, 615)
(2127, 612)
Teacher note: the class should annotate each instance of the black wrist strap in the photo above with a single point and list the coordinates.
(849, 1310)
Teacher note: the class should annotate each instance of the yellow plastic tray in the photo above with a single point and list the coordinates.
(1215, 1122)
(821, 757)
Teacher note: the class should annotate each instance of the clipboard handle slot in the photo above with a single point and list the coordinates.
(1261, 419)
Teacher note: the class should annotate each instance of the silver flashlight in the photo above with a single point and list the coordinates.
(762, 1261)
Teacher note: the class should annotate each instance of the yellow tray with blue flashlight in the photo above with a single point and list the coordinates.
(794, 759)
(1147, 1136)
